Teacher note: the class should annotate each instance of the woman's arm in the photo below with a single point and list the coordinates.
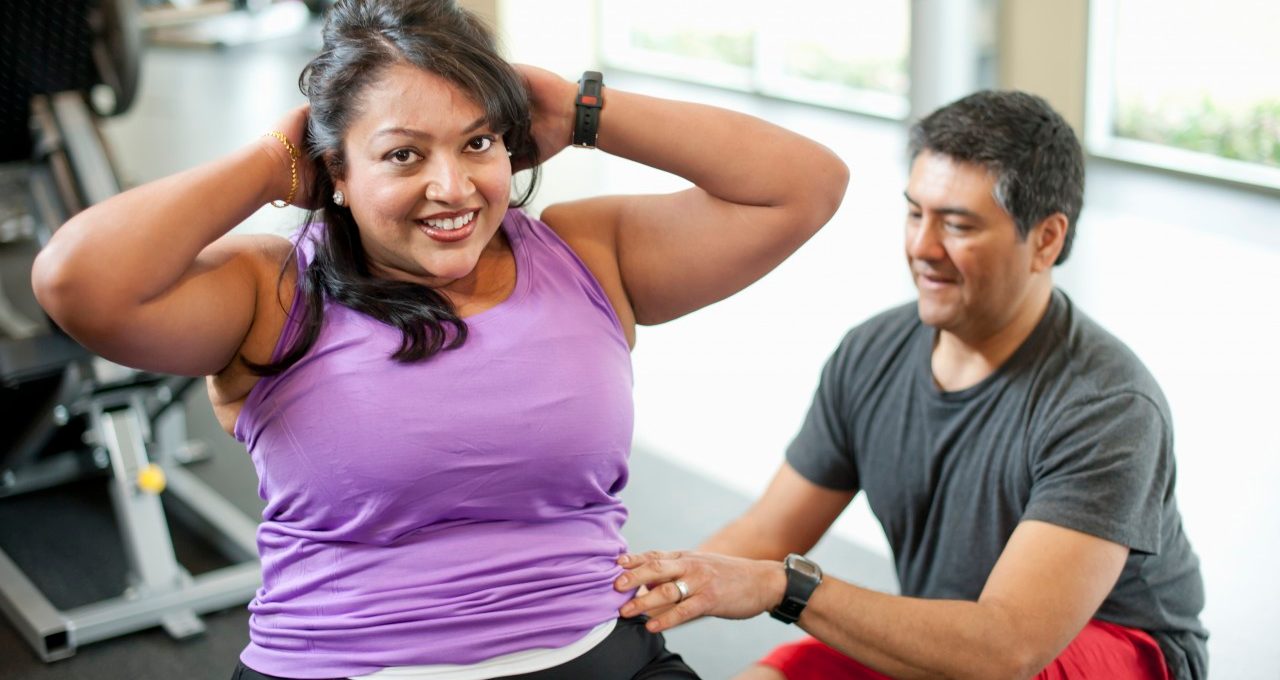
(149, 279)
(759, 192)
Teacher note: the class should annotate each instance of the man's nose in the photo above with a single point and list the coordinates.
(923, 240)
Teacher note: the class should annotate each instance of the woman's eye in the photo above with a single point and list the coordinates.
(402, 155)
(479, 144)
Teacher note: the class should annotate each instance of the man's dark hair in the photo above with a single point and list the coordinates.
(362, 40)
(1032, 152)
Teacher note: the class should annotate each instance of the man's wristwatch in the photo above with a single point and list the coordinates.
(803, 577)
(587, 105)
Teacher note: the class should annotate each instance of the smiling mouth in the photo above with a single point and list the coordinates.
(934, 280)
(449, 223)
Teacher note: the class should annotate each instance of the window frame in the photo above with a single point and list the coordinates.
(1102, 142)
(766, 77)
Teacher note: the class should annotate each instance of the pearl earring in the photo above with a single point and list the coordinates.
(339, 198)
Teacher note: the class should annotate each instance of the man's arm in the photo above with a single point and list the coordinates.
(790, 517)
(1046, 585)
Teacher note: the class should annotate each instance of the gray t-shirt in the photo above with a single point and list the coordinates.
(1071, 430)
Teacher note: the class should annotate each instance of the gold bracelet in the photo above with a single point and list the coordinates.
(293, 168)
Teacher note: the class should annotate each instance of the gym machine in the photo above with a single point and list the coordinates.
(68, 415)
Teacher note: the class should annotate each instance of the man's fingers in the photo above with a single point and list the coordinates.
(658, 597)
(650, 571)
(691, 608)
(634, 560)
(730, 587)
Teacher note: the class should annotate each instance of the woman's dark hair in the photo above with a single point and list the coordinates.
(362, 39)
(1032, 152)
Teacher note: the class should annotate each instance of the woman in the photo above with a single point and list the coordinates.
(435, 387)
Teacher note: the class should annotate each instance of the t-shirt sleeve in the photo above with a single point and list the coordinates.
(821, 451)
(1104, 468)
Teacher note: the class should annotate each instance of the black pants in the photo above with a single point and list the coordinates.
(629, 653)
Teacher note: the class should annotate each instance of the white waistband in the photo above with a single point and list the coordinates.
(515, 663)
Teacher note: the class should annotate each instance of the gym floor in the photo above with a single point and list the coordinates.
(65, 539)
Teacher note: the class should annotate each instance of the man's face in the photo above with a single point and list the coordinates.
(970, 266)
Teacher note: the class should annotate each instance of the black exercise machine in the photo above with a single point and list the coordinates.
(68, 415)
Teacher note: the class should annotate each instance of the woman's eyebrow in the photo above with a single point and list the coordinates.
(480, 122)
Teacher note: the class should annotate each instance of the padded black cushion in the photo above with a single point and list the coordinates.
(44, 47)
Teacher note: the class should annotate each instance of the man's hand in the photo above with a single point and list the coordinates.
(717, 585)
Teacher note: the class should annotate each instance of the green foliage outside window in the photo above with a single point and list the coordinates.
(1250, 134)
(881, 75)
(735, 50)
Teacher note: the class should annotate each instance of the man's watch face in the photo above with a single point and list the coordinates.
(803, 566)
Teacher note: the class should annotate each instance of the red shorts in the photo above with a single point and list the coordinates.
(1101, 650)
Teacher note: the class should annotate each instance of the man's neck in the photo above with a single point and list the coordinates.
(961, 360)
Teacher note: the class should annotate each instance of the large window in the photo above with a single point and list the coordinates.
(1189, 86)
(850, 55)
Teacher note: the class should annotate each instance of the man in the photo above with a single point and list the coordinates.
(1019, 457)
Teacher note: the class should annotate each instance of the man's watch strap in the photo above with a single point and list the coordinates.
(587, 107)
(803, 577)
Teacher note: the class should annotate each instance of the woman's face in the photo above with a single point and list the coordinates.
(426, 179)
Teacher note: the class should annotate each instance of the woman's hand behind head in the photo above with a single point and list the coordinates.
(293, 125)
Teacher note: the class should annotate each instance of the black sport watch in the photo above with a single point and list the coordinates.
(588, 104)
(803, 577)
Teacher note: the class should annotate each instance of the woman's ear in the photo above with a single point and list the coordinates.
(1048, 237)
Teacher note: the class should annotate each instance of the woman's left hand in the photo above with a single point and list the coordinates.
(551, 103)
(714, 585)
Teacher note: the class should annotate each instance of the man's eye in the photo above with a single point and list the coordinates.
(913, 215)
(480, 143)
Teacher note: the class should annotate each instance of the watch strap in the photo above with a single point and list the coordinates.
(587, 106)
(802, 580)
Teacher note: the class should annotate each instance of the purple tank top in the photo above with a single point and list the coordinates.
(450, 510)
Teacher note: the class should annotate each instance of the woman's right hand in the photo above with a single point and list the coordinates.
(294, 126)
(151, 278)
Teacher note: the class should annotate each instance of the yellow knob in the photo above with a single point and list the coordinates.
(151, 479)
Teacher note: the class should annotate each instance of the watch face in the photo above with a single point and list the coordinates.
(803, 566)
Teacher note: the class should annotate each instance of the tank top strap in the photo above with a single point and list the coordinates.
(550, 261)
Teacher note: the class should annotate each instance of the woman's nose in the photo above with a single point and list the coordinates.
(447, 181)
